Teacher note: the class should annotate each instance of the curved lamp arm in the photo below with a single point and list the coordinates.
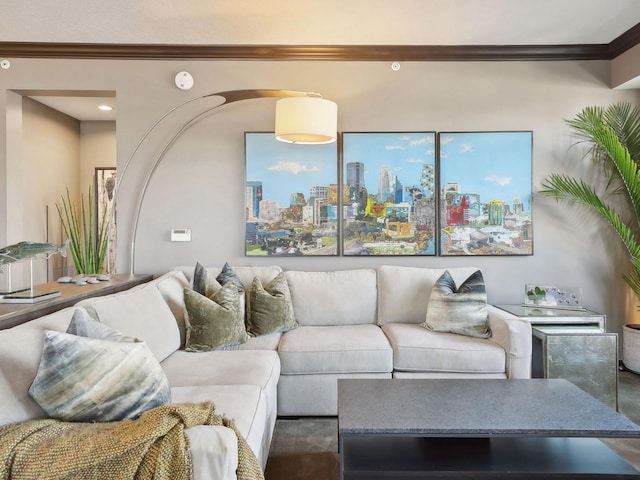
(228, 97)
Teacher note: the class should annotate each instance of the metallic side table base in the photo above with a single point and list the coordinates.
(573, 345)
(588, 360)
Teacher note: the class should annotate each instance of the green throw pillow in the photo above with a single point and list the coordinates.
(82, 379)
(214, 322)
(461, 310)
(270, 307)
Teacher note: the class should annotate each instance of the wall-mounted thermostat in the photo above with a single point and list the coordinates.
(180, 235)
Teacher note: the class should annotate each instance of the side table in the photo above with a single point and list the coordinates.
(574, 345)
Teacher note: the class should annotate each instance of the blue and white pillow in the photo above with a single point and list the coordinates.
(84, 379)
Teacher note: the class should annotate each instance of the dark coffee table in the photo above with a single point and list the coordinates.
(537, 428)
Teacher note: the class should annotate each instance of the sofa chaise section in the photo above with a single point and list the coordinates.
(243, 389)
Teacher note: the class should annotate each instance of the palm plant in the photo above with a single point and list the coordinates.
(88, 248)
(614, 137)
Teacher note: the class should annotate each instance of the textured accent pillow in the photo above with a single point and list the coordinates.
(214, 322)
(270, 308)
(84, 325)
(227, 274)
(204, 282)
(83, 379)
(461, 310)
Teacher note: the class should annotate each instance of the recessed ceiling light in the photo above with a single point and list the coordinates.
(105, 108)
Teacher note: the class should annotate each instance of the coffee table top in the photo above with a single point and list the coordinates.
(475, 408)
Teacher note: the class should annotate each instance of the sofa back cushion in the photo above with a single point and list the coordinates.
(20, 353)
(171, 286)
(141, 313)
(404, 291)
(342, 297)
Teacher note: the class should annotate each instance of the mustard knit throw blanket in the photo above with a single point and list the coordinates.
(153, 446)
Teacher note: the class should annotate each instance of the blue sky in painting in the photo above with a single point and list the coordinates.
(286, 168)
(496, 165)
(405, 153)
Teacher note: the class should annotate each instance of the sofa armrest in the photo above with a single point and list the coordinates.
(514, 335)
(214, 452)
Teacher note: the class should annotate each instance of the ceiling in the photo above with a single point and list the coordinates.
(310, 22)
(319, 22)
(80, 108)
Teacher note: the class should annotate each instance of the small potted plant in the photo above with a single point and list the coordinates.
(87, 244)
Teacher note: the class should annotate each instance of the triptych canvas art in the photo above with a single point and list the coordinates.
(390, 193)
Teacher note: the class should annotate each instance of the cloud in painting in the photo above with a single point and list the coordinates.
(292, 167)
(465, 147)
(446, 140)
(502, 181)
(393, 147)
(421, 141)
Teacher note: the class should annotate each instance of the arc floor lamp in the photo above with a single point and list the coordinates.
(300, 117)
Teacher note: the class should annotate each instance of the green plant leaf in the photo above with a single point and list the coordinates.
(613, 135)
(88, 249)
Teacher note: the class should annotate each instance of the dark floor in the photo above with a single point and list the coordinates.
(629, 406)
(307, 448)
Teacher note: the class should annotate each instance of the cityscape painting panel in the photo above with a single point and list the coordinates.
(485, 193)
(389, 203)
(291, 193)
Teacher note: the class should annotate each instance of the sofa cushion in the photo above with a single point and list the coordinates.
(270, 307)
(84, 379)
(461, 310)
(20, 354)
(411, 288)
(350, 294)
(335, 349)
(416, 349)
(241, 367)
(140, 313)
(214, 322)
(171, 286)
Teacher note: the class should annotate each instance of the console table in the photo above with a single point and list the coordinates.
(477, 428)
(12, 314)
(573, 344)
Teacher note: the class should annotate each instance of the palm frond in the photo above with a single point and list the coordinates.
(632, 278)
(564, 187)
(613, 136)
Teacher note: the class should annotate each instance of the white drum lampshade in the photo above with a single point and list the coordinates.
(306, 120)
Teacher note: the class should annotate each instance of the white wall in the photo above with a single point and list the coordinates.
(200, 184)
(97, 149)
(50, 164)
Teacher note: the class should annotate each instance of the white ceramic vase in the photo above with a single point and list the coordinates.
(631, 347)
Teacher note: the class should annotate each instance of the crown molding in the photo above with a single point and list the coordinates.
(321, 52)
(624, 42)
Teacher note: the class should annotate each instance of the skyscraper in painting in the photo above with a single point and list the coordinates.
(253, 194)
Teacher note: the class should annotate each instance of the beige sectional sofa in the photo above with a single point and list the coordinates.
(360, 323)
